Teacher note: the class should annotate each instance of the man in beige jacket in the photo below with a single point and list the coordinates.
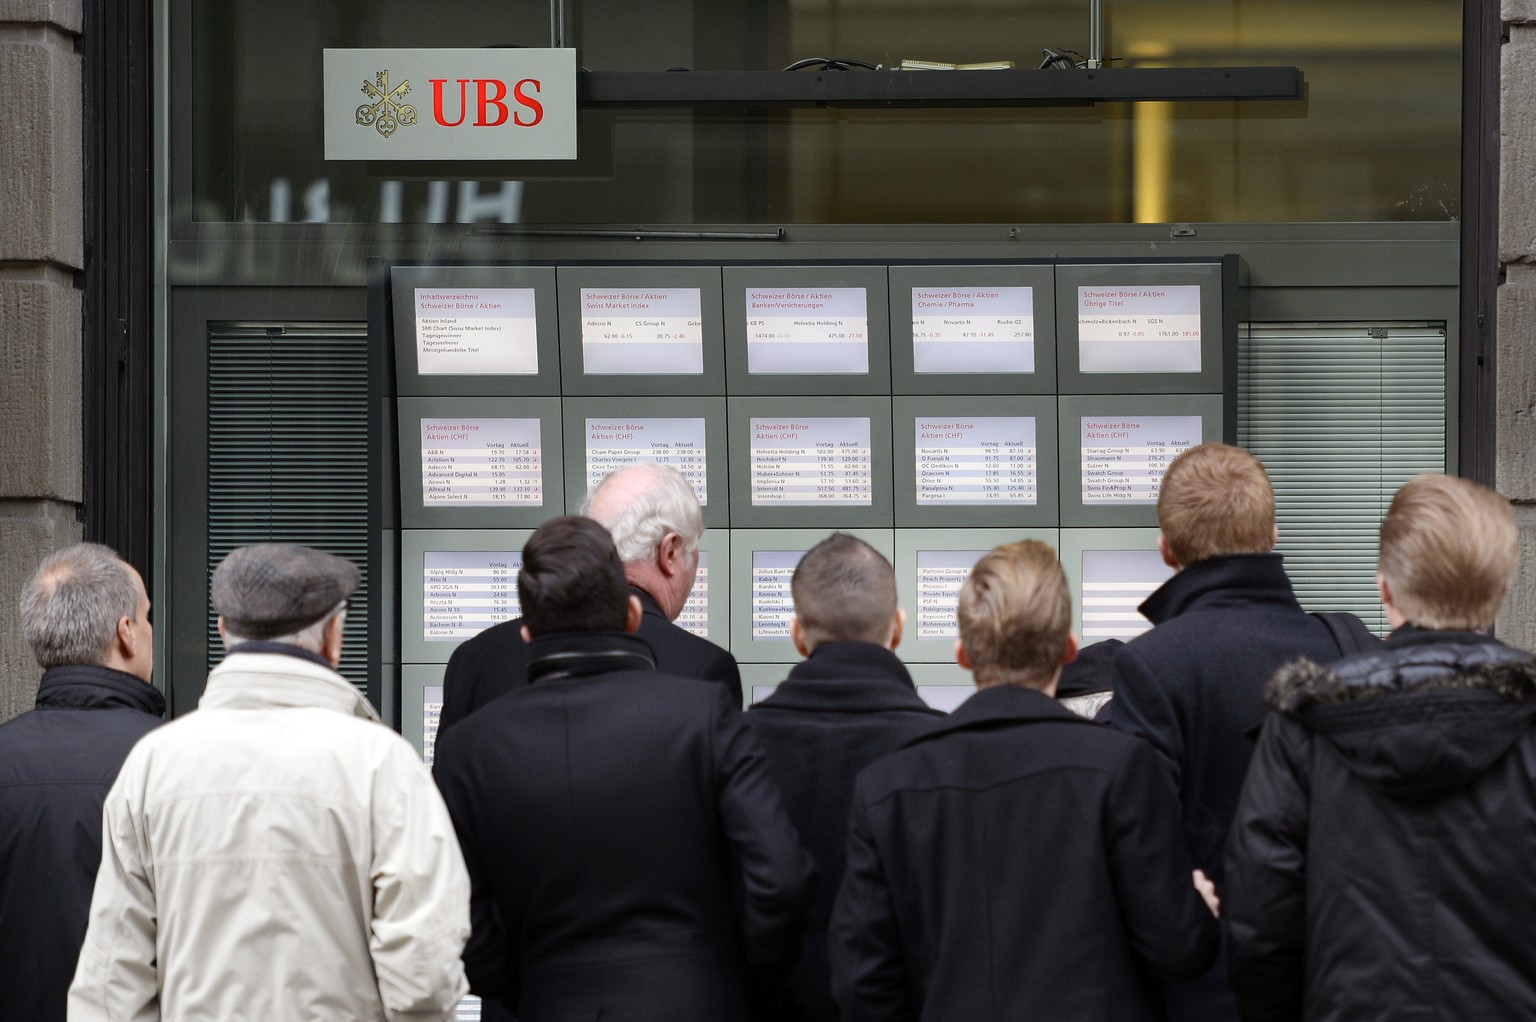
(279, 854)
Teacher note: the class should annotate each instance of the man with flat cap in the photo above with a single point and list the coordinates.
(278, 854)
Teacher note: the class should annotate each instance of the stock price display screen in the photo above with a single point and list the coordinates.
(481, 462)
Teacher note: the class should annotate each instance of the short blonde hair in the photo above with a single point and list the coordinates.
(1015, 615)
(1215, 500)
(1448, 552)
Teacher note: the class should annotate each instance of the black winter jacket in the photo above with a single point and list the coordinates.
(1380, 865)
(1015, 862)
(57, 763)
(847, 705)
(627, 850)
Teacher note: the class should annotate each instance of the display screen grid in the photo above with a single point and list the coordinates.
(1124, 457)
(971, 460)
(1115, 584)
(695, 613)
(476, 332)
(798, 331)
(1139, 329)
(465, 592)
(614, 442)
(940, 574)
(810, 461)
(642, 331)
(481, 462)
(973, 330)
(772, 600)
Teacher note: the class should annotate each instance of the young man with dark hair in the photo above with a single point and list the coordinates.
(627, 848)
(1017, 861)
(850, 702)
(1193, 685)
(1380, 862)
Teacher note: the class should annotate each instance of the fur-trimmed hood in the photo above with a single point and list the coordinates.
(1416, 719)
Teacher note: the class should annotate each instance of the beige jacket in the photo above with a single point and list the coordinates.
(277, 855)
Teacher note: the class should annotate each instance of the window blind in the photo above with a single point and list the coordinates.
(288, 453)
(1341, 415)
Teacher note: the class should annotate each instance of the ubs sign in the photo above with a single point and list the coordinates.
(491, 104)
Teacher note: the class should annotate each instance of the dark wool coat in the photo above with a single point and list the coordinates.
(627, 849)
(845, 706)
(57, 763)
(495, 662)
(1193, 687)
(1380, 865)
(1018, 861)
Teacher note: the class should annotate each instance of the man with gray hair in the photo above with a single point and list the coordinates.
(86, 616)
(653, 515)
(279, 854)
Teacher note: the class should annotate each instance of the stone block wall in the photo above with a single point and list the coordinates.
(42, 167)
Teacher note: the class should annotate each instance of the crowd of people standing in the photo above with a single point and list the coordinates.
(1248, 812)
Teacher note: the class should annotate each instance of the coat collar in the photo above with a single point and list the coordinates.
(1003, 705)
(649, 605)
(91, 687)
(1229, 580)
(277, 680)
(848, 677)
(561, 655)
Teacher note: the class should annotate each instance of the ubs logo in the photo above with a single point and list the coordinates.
(386, 114)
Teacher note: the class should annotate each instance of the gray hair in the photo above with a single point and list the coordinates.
(663, 502)
(310, 637)
(71, 606)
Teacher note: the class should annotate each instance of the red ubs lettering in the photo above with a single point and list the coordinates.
(490, 102)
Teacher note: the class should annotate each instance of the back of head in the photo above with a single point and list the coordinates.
(72, 604)
(1015, 615)
(1216, 499)
(1448, 552)
(571, 579)
(639, 504)
(844, 590)
(281, 592)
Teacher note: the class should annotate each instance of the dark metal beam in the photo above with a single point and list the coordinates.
(1055, 87)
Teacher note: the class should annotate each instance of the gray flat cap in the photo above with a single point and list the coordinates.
(274, 589)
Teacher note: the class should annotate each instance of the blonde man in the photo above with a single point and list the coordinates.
(1017, 860)
(1193, 686)
(1379, 866)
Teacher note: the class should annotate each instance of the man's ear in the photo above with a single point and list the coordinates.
(331, 639)
(633, 614)
(127, 641)
(222, 637)
(961, 656)
(898, 624)
(526, 634)
(797, 636)
(670, 556)
(1274, 536)
(1069, 651)
(1167, 552)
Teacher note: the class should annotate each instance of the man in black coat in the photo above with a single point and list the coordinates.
(654, 517)
(849, 703)
(1193, 685)
(86, 616)
(1018, 861)
(1380, 862)
(627, 851)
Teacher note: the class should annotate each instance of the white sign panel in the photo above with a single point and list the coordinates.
(450, 104)
(470, 331)
(1139, 329)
